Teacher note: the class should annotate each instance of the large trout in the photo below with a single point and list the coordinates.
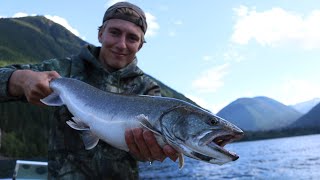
(189, 129)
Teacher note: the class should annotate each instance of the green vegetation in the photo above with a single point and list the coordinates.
(33, 39)
(24, 127)
(24, 130)
(258, 135)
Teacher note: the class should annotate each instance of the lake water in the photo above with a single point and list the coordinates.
(283, 158)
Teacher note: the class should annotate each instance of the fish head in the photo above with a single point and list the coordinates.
(200, 134)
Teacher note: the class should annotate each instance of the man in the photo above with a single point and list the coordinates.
(111, 67)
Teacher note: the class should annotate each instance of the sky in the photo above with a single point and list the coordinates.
(213, 52)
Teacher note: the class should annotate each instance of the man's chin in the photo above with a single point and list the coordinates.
(118, 65)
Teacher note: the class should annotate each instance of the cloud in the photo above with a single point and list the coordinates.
(20, 14)
(276, 27)
(298, 90)
(201, 102)
(64, 23)
(178, 22)
(206, 103)
(55, 19)
(233, 55)
(207, 58)
(153, 26)
(172, 33)
(211, 80)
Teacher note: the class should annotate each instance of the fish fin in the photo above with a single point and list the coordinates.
(144, 121)
(77, 124)
(181, 160)
(90, 140)
(52, 100)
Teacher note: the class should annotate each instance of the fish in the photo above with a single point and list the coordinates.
(191, 130)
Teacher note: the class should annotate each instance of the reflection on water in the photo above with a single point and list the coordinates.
(283, 158)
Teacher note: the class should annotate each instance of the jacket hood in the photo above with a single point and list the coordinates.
(90, 53)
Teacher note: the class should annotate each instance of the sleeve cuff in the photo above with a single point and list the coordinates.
(5, 74)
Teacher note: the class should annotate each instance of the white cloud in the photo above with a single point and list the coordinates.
(178, 22)
(55, 19)
(20, 14)
(211, 79)
(298, 90)
(233, 55)
(153, 26)
(201, 102)
(206, 104)
(276, 27)
(207, 58)
(64, 23)
(172, 33)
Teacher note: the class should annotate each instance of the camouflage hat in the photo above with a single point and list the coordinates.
(121, 10)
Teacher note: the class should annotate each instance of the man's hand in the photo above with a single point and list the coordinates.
(33, 85)
(143, 146)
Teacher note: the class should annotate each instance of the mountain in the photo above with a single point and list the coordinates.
(309, 120)
(33, 39)
(24, 127)
(259, 114)
(306, 106)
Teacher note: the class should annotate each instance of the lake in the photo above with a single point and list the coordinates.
(282, 158)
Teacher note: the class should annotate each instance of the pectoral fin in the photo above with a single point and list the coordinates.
(89, 139)
(78, 124)
(52, 100)
(143, 120)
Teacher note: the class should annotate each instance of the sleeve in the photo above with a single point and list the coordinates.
(152, 88)
(62, 66)
(5, 74)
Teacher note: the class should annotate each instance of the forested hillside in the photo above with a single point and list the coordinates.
(32, 39)
(24, 127)
(309, 120)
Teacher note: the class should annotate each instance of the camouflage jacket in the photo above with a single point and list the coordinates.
(66, 154)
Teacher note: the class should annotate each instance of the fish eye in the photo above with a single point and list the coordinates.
(213, 121)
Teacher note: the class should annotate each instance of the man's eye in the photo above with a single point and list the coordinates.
(133, 38)
(114, 32)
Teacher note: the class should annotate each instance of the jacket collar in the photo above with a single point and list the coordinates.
(90, 54)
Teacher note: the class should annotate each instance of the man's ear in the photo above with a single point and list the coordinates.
(141, 44)
(100, 35)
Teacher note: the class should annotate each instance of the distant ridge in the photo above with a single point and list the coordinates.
(306, 106)
(309, 120)
(259, 114)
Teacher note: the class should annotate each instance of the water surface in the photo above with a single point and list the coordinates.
(283, 158)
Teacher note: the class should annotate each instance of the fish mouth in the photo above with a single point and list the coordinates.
(217, 141)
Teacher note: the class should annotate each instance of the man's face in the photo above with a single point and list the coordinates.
(120, 41)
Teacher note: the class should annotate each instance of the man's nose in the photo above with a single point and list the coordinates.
(122, 42)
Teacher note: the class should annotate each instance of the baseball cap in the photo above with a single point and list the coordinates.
(121, 10)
